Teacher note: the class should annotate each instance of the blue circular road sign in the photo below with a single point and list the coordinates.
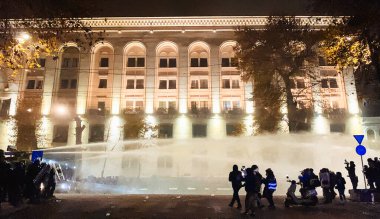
(360, 149)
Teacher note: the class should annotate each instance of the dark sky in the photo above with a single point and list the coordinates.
(151, 8)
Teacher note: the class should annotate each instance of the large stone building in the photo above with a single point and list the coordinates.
(180, 71)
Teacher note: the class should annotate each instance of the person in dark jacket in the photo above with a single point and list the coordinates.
(4, 177)
(270, 186)
(350, 167)
(258, 182)
(250, 188)
(341, 186)
(235, 178)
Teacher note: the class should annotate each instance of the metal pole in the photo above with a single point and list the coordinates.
(365, 183)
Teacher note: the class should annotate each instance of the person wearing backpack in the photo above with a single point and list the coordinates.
(235, 178)
(270, 187)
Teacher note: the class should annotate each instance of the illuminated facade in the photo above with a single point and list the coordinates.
(180, 72)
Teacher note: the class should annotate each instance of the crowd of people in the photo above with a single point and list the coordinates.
(252, 181)
(19, 181)
(328, 180)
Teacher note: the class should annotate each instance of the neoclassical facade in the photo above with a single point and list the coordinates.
(180, 72)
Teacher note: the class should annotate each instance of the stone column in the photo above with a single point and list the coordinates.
(183, 73)
(215, 78)
(83, 80)
(150, 77)
(50, 76)
(117, 79)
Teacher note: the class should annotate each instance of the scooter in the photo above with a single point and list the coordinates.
(308, 196)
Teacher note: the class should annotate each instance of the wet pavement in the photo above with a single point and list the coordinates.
(176, 206)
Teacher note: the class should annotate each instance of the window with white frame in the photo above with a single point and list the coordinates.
(168, 62)
(167, 104)
(68, 84)
(231, 104)
(34, 84)
(199, 84)
(199, 104)
(104, 62)
(229, 62)
(134, 105)
(136, 62)
(228, 83)
(329, 83)
(135, 84)
(167, 84)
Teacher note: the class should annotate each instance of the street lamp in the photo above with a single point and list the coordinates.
(22, 37)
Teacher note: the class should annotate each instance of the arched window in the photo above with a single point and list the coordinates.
(134, 79)
(370, 134)
(101, 79)
(166, 100)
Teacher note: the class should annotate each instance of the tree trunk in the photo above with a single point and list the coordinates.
(290, 105)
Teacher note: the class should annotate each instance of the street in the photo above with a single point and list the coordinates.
(176, 206)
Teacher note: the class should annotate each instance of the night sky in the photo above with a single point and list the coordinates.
(151, 8)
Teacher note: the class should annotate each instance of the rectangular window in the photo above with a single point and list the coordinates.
(104, 62)
(163, 84)
(300, 83)
(204, 84)
(73, 84)
(227, 105)
(172, 63)
(226, 83)
(162, 104)
(131, 62)
(172, 104)
(65, 63)
(194, 105)
(194, 84)
(231, 129)
(199, 131)
(165, 131)
(235, 84)
(193, 62)
(333, 83)
(139, 105)
(61, 133)
(39, 84)
(140, 84)
(102, 83)
(5, 106)
(163, 63)
(337, 128)
(129, 105)
(140, 62)
(225, 62)
(130, 84)
(96, 133)
(203, 62)
(75, 62)
(236, 104)
(172, 84)
(31, 84)
(203, 104)
(234, 62)
(64, 84)
(324, 83)
(41, 62)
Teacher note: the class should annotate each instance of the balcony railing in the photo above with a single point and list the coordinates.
(338, 113)
(199, 111)
(234, 111)
(166, 111)
(98, 112)
(133, 110)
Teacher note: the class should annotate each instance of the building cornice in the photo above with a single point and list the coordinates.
(220, 22)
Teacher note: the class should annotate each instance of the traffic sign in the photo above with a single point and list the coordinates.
(359, 138)
(361, 150)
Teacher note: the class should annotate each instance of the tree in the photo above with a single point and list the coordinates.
(355, 42)
(271, 58)
(30, 29)
(136, 127)
(26, 124)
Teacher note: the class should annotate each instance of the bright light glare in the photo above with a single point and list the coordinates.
(61, 110)
(29, 110)
(22, 37)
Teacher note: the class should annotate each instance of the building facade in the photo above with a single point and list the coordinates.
(179, 72)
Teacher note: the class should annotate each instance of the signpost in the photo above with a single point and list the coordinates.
(361, 150)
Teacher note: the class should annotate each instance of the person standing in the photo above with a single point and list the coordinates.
(340, 186)
(258, 181)
(235, 178)
(350, 167)
(270, 186)
(251, 196)
(324, 177)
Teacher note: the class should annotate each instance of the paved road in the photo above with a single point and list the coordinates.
(169, 206)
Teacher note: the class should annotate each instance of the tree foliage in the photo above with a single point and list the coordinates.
(355, 42)
(136, 127)
(26, 124)
(31, 29)
(271, 58)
